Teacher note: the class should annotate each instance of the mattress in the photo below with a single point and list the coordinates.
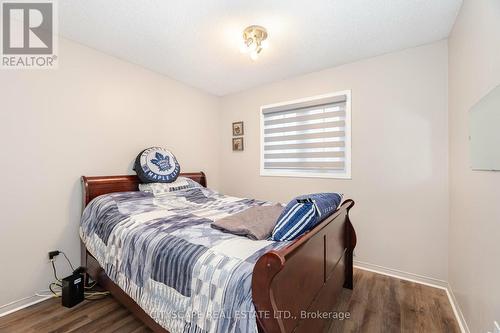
(162, 251)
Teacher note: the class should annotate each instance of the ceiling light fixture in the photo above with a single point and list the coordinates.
(254, 40)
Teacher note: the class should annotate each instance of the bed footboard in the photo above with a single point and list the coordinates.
(290, 285)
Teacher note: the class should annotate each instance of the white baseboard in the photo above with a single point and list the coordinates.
(21, 304)
(457, 310)
(428, 281)
(425, 280)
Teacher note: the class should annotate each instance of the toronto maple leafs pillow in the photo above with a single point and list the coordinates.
(156, 165)
(303, 213)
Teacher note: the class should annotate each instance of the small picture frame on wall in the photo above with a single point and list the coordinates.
(238, 128)
(237, 144)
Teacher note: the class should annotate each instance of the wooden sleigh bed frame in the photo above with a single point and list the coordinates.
(305, 277)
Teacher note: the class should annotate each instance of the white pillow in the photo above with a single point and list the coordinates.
(181, 183)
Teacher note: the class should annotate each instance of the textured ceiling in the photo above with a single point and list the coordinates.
(197, 42)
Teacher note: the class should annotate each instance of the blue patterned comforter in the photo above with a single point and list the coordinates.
(163, 253)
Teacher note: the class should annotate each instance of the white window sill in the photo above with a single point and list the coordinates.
(281, 173)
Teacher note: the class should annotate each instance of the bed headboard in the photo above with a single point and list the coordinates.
(96, 186)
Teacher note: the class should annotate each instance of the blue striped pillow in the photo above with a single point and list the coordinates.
(303, 213)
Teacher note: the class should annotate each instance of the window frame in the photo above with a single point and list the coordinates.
(302, 174)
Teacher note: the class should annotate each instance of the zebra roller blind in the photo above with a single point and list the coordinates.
(309, 137)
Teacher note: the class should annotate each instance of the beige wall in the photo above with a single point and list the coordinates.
(474, 69)
(89, 117)
(399, 154)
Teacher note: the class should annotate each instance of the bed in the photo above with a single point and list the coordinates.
(279, 283)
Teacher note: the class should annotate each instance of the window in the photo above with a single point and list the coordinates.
(310, 137)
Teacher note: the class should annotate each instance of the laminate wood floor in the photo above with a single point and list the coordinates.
(378, 304)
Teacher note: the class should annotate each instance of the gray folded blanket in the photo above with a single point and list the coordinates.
(255, 222)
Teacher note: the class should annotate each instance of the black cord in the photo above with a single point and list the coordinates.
(52, 290)
(54, 266)
(69, 262)
(52, 261)
(54, 269)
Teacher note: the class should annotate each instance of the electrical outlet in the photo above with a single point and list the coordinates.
(497, 328)
(53, 254)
